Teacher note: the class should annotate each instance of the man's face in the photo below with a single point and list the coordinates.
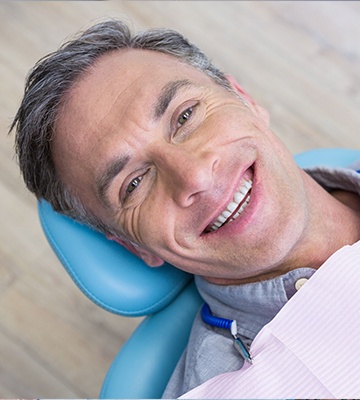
(159, 151)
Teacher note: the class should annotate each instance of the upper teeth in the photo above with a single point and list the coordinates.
(239, 196)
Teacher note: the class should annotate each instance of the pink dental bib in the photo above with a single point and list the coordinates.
(311, 349)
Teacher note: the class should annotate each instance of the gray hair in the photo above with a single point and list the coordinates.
(49, 81)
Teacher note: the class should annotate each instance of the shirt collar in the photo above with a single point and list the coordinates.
(252, 305)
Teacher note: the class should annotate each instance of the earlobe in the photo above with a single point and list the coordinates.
(149, 258)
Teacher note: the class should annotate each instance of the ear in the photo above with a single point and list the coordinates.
(149, 258)
(260, 111)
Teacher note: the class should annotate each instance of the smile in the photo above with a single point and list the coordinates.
(234, 209)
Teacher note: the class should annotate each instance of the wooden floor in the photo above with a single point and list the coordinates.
(301, 60)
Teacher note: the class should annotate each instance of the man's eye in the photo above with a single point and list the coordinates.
(184, 116)
(133, 184)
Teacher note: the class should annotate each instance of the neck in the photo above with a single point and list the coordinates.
(333, 223)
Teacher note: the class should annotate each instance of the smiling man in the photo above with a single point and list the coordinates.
(144, 139)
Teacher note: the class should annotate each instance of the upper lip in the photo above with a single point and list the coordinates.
(221, 207)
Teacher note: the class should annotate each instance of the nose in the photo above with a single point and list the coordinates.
(186, 174)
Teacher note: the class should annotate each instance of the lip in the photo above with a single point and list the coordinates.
(229, 198)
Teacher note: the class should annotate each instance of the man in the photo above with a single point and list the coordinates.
(144, 139)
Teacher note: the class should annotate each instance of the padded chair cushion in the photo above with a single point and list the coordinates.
(107, 273)
(330, 157)
(145, 363)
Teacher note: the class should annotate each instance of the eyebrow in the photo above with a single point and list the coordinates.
(112, 170)
(115, 166)
(167, 94)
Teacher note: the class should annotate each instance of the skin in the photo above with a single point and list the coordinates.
(187, 164)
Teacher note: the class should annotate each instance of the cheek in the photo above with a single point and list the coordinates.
(239, 126)
(147, 222)
(128, 223)
(274, 144)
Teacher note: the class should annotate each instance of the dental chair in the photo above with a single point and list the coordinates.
(120, 283)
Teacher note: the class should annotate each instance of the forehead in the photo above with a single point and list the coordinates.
(122, 80)
(124, 75)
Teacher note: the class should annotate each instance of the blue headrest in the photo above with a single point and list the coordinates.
(106, 272)
(330, 157)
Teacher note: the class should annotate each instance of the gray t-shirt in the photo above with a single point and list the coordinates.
(210, 351)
